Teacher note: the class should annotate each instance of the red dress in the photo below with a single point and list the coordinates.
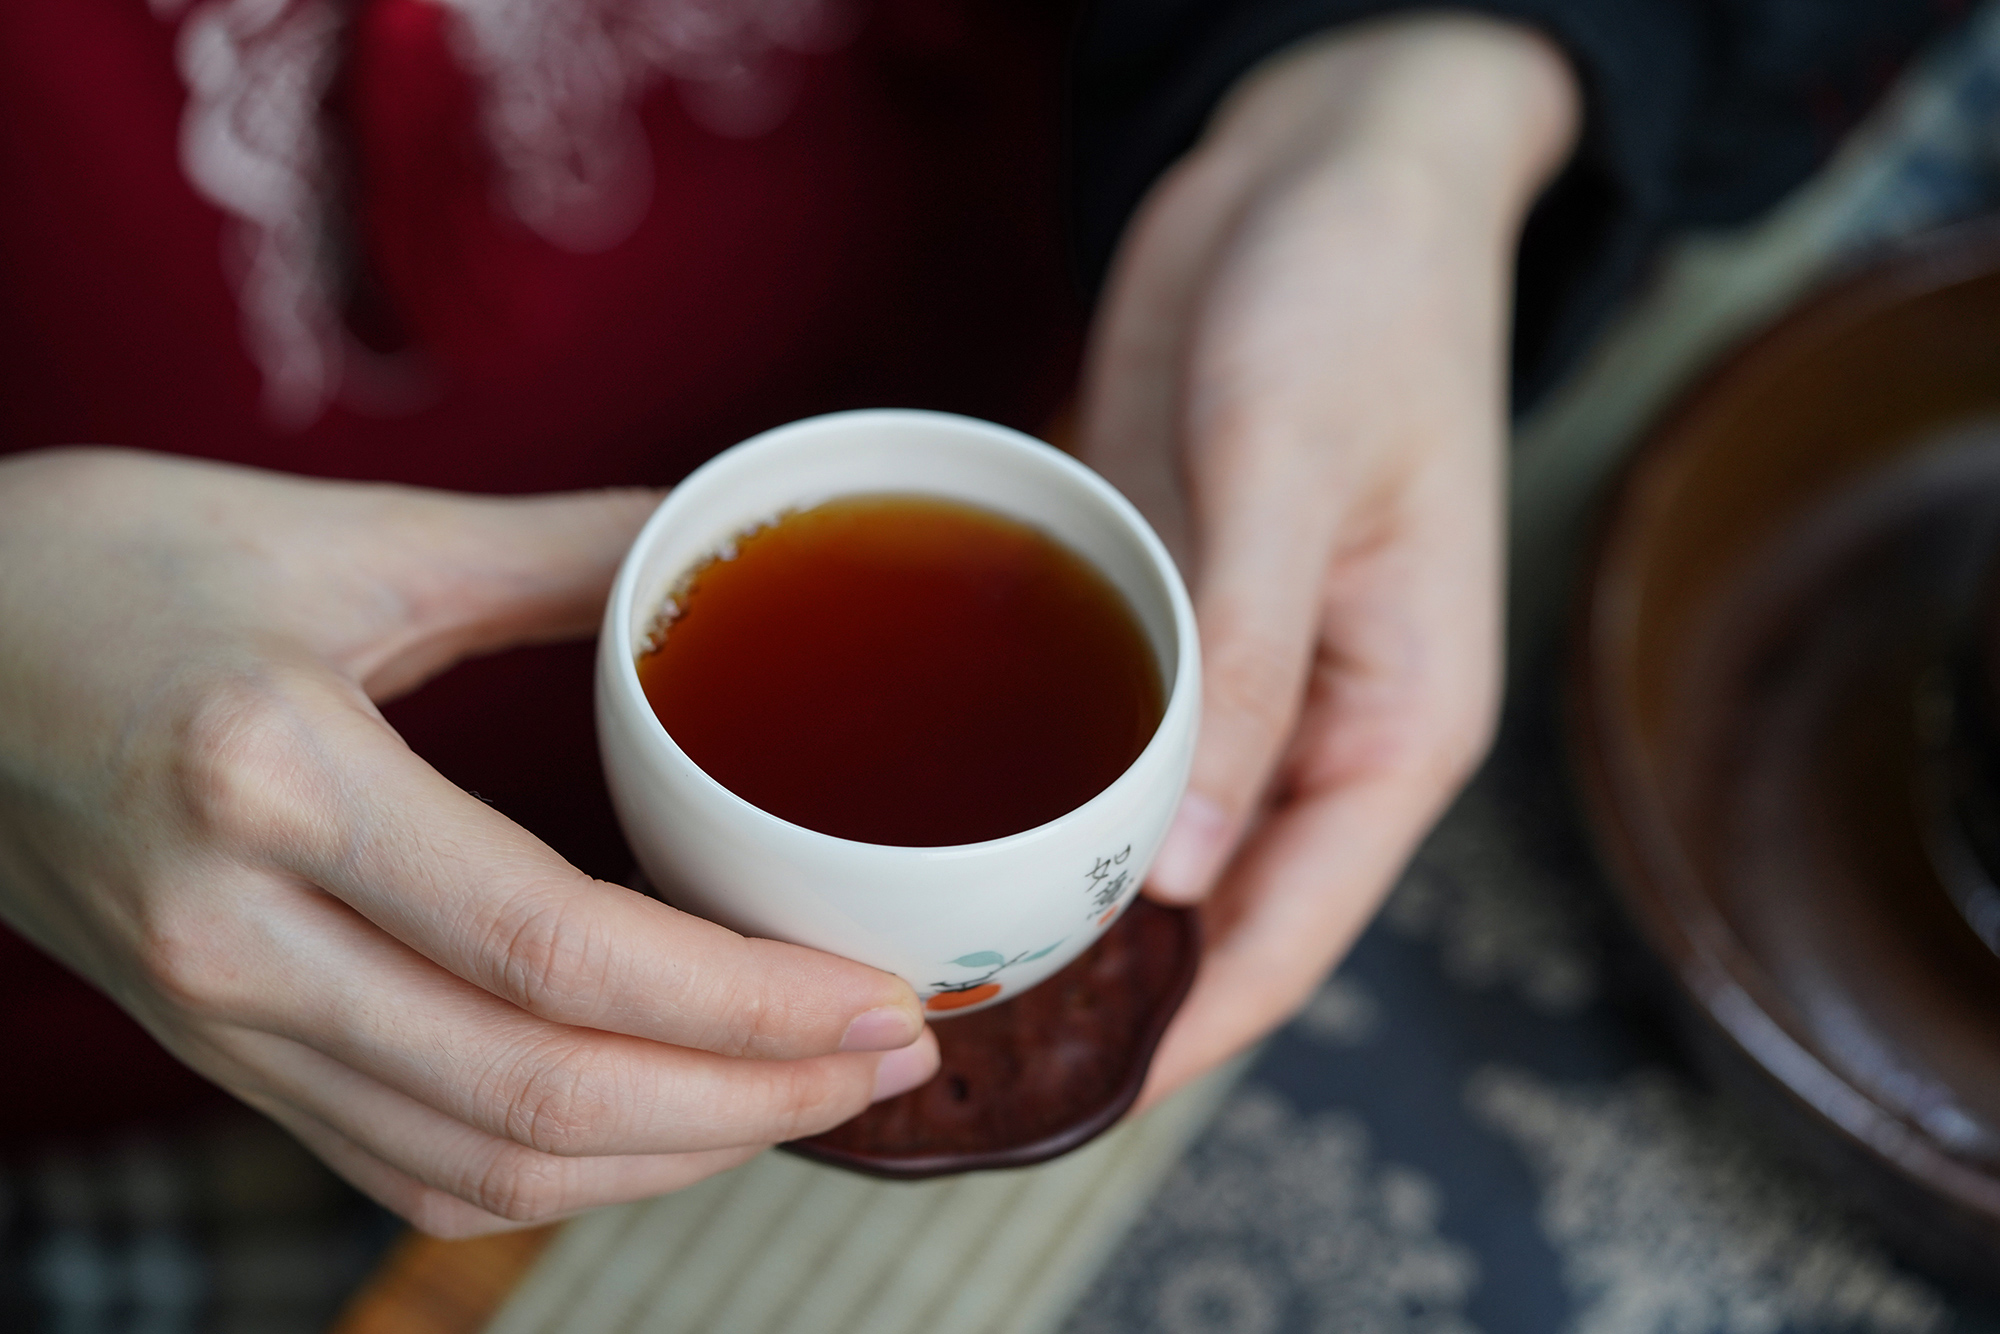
(503, 246)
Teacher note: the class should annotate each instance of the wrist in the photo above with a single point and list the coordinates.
(1473, 113)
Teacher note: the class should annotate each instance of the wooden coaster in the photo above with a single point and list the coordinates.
(1039, 1075)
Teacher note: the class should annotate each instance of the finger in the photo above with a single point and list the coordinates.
(379, 1008)
(477, 574)
(302, 776)
(440, 1213)
(444, 1176)
(1256, 602)
(1293, 905)
(496, 1175)
(1207, 407)
(1254, 581)
(1132, 380)
(1323, 518)
(1391, 729)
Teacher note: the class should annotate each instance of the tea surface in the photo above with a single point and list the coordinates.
(905, 670)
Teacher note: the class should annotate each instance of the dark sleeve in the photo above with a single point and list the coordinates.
(1697, 112)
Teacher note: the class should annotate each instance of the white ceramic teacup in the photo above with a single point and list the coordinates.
(967, 926)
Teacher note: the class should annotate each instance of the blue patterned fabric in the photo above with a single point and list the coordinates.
(1476, 1127)
(228, 1228)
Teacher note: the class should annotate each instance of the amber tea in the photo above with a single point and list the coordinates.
(904, 670)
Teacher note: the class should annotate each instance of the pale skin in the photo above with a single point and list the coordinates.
(1298, 374)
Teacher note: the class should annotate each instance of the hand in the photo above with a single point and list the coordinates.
(202, 811)
(1299, 375)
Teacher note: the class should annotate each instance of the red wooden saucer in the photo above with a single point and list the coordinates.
(1039, 1075)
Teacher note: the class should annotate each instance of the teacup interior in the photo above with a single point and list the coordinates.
(912, 453)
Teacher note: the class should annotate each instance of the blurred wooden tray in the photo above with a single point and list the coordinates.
(1776, 572)
(427, 1286)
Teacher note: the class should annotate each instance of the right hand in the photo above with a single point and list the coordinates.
(203, 812)
(1299, 374)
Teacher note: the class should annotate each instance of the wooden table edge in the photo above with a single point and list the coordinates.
(428, 1286)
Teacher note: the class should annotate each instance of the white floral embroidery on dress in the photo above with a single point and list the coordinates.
(1282, 1221)
(252, 144)
(561, 83)
(1672, 1219)
(563, 78)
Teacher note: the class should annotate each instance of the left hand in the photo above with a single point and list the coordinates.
(1299, 374)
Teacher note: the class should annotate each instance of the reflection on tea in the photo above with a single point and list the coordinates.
(904, 670)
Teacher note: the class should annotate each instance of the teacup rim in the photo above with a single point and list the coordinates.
(1182, 698)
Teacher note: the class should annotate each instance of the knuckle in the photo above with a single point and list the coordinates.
(1253, 687)
(446, 1217)
(523, 1186)
(777, 1001)
(558, 1106)
(757, 1023)
(1434, 755)
(241, 761)
(549, 958)
(810, 1098)
(192, 969)
(1429, 729)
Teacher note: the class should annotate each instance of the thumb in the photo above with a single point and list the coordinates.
(474, 574)
(1257, 603)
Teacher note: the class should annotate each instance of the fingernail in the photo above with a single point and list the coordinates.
(882, 1029)
(1192, 852)
(901, 1071)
